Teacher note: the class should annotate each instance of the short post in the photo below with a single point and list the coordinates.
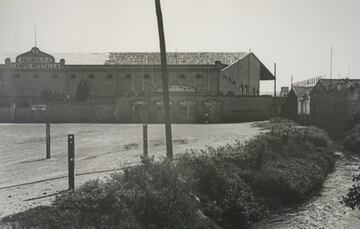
(71, 160)
(145, 140)
(48, 154)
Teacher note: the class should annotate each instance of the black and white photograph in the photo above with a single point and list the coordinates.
(179, 114)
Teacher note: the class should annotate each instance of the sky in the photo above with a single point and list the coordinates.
(296, 34)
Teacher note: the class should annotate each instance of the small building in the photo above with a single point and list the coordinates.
(297, 104)
(335, 104)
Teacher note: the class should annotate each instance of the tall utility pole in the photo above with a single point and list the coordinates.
(165, 82)
(331, 62)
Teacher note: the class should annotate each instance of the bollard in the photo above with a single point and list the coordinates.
(71, 160)
(145, 140)
(48, 140)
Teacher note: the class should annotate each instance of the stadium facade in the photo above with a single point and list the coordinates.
(126, 87)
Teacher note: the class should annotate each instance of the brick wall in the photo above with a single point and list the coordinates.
(185, 109)
(106, 81)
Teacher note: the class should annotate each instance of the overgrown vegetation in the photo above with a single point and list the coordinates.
(226, 187)
(352, 198)
(351, 140)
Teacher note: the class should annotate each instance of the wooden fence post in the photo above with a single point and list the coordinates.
(71, 160)
(145, 139)
(48, 153)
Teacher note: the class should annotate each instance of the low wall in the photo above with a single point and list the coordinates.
(139, 109)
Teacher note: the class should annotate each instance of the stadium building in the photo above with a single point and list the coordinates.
(126, 87)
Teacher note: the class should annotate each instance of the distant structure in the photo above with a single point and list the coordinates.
(284, 91)
(335, 104)
(307, 83)
(297, 104)
(126, 87)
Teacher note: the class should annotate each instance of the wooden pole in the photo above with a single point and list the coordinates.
(71, 160)
(48, 153)
(165, 83)
(145, 139)
(275, 102)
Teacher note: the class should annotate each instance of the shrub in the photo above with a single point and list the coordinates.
(151, 195)
(352, 198)
(224, 196)
(287, 181)
(351, 140)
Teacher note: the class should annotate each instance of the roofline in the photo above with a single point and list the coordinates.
(264, 66)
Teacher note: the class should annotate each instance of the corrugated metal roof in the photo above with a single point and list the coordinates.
(143, 58)
(331, 84)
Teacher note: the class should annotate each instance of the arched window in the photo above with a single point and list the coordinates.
(54, 76)
(91, 76)
(146, 76)
(199, 77)
(109, 77)
(182, 76)
(72, 76)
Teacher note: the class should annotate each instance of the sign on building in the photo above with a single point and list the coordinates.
(38, 107)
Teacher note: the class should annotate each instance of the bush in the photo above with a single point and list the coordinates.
(351, 140)
(351, 143)
(152, 195)
(224, 196)
(288, 181)
(352, 198)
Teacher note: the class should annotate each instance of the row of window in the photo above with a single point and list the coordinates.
(109, 76)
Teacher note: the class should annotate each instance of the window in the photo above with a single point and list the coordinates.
(199, 76)
(16, 76)
(182, 76)
(54, 76)
(128, 76)
(109, 77)
(234, 82)
(146, 76)
(35, 76)
(72, 76)
(91, 76)
(224, 76)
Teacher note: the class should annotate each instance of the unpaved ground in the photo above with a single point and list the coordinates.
(28, 180)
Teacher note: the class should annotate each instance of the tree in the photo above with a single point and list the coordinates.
(82, 91)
